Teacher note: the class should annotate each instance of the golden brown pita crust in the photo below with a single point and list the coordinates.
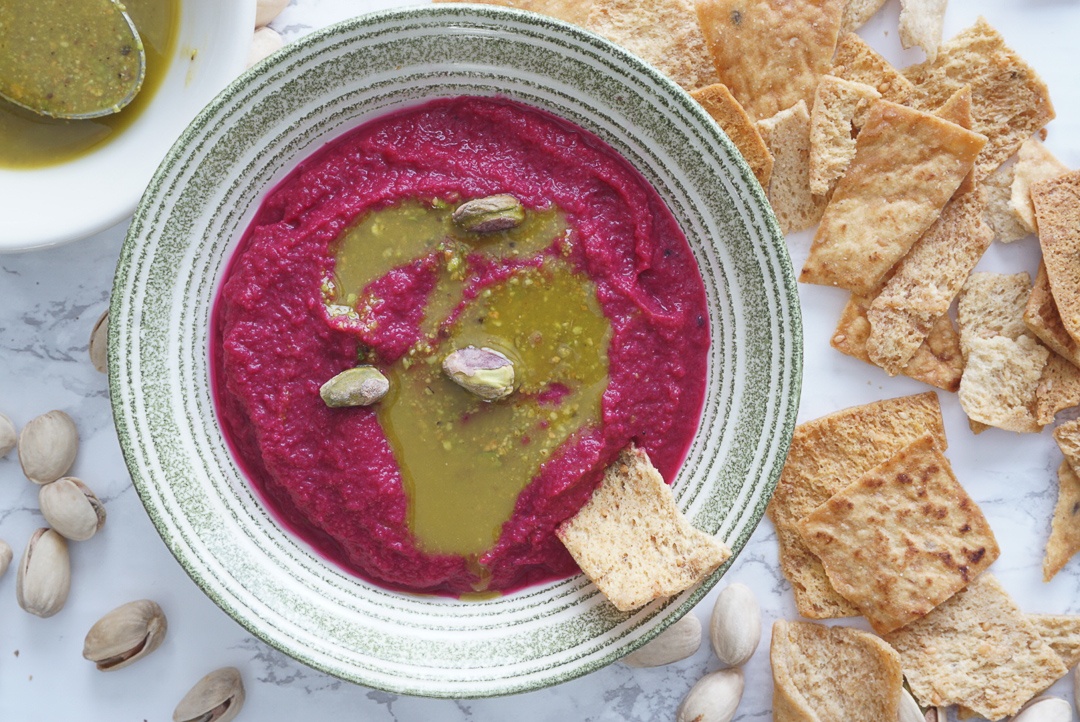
(957, 109)
(631, 540)
(1042, 319)
(1067, 436)
(1034, 163)
(926, 280)
(826, 455)
(921, 22)
(1010, 100)
(733, 120)
(833, 123)
(770, 53)
(907, 165)
(787, 135)
(1059, 388)
(1064, 539)
(978, 650)
(663, 32)
(858, 62)
(999, 211)
(1062, 633)
(1057, 211)
(824, 673)
(572, 11)
(902, 538)
(937, 362)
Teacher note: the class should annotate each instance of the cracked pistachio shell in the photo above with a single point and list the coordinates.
(8, 437)
(481, 371)
(5, 557)
(44, 577)
(714, 698)
(47, 447)
(735, 625)
(71, 508)
(909, 708)
(360, 386)
(1045, 709)
(99, 344)
(217, 697)
(125, 635)
(678, 641)
(487, 215)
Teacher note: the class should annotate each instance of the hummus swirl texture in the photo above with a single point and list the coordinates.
(331, 474)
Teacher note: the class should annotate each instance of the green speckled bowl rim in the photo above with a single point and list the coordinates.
(190, 219)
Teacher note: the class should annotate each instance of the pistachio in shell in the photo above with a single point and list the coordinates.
(487, 215)
(217, 697)
(481, 371)
(5, 557)
(360, 386)
(99, 344)
(125, 635)
(71, 508)
(8, 437)
(44, 577)
(47, 447)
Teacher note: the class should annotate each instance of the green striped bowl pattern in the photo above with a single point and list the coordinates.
(190, 220)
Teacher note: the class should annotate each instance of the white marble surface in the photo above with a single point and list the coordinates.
(49, 301)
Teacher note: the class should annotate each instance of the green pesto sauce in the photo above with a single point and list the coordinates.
(464, 461)
(29, 140)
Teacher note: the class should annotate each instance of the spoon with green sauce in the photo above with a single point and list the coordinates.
(66, 59)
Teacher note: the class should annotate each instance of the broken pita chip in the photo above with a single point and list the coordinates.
(1010, 100)
(921, 23)
(631, 540)
(825, 456)
(1034, 163)
(1067, 436)
(1064, 539)
(907, 165)
(1042, 318)
(957, 109)
(571, 11)
(857, 12)
(937, 362)
(858, 62)
(787, 135)
(1057, 213)
(977, 650)
(1062, 633)
(992, 304)
(663, 32)
(733, 120)
(903, 538)
(832, 673)
(1058, 389)
(770, 53)
(1001, 378)
(999, 211)
(837, 103)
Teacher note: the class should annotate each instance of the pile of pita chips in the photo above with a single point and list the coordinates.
(631, 540)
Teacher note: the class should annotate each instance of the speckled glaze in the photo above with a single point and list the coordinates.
(191, 218)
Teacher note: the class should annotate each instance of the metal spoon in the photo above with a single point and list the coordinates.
(72, 60)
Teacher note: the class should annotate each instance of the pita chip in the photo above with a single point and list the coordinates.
(733, 120)
(572, 11)
(1064, 539)
(907, 165)
(1034, 163)
(1062, 633)
(937, 362)
(631, 540)
(663, 32)
(1057, 213)
(827, 455)
(999, 210)
(1067, 436)
(1058, 389)
(1010, 100)
(771, 53)
(857, 12)
(858, 62)
(833, 123)
(832, 673)
(902, 538)
(921, 22)
(787, 135)
(977, 650)
(1042, 318)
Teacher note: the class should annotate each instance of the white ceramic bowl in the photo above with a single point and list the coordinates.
(191, 219)
(64, 202)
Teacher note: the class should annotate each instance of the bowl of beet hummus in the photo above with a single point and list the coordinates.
(374, 199)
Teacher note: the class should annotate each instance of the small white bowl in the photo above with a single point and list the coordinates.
(65, 202)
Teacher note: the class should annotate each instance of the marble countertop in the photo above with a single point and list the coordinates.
(50, 300)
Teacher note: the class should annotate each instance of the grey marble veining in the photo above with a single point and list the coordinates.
(50, 300)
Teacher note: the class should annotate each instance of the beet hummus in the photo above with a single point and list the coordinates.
(355, 259)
